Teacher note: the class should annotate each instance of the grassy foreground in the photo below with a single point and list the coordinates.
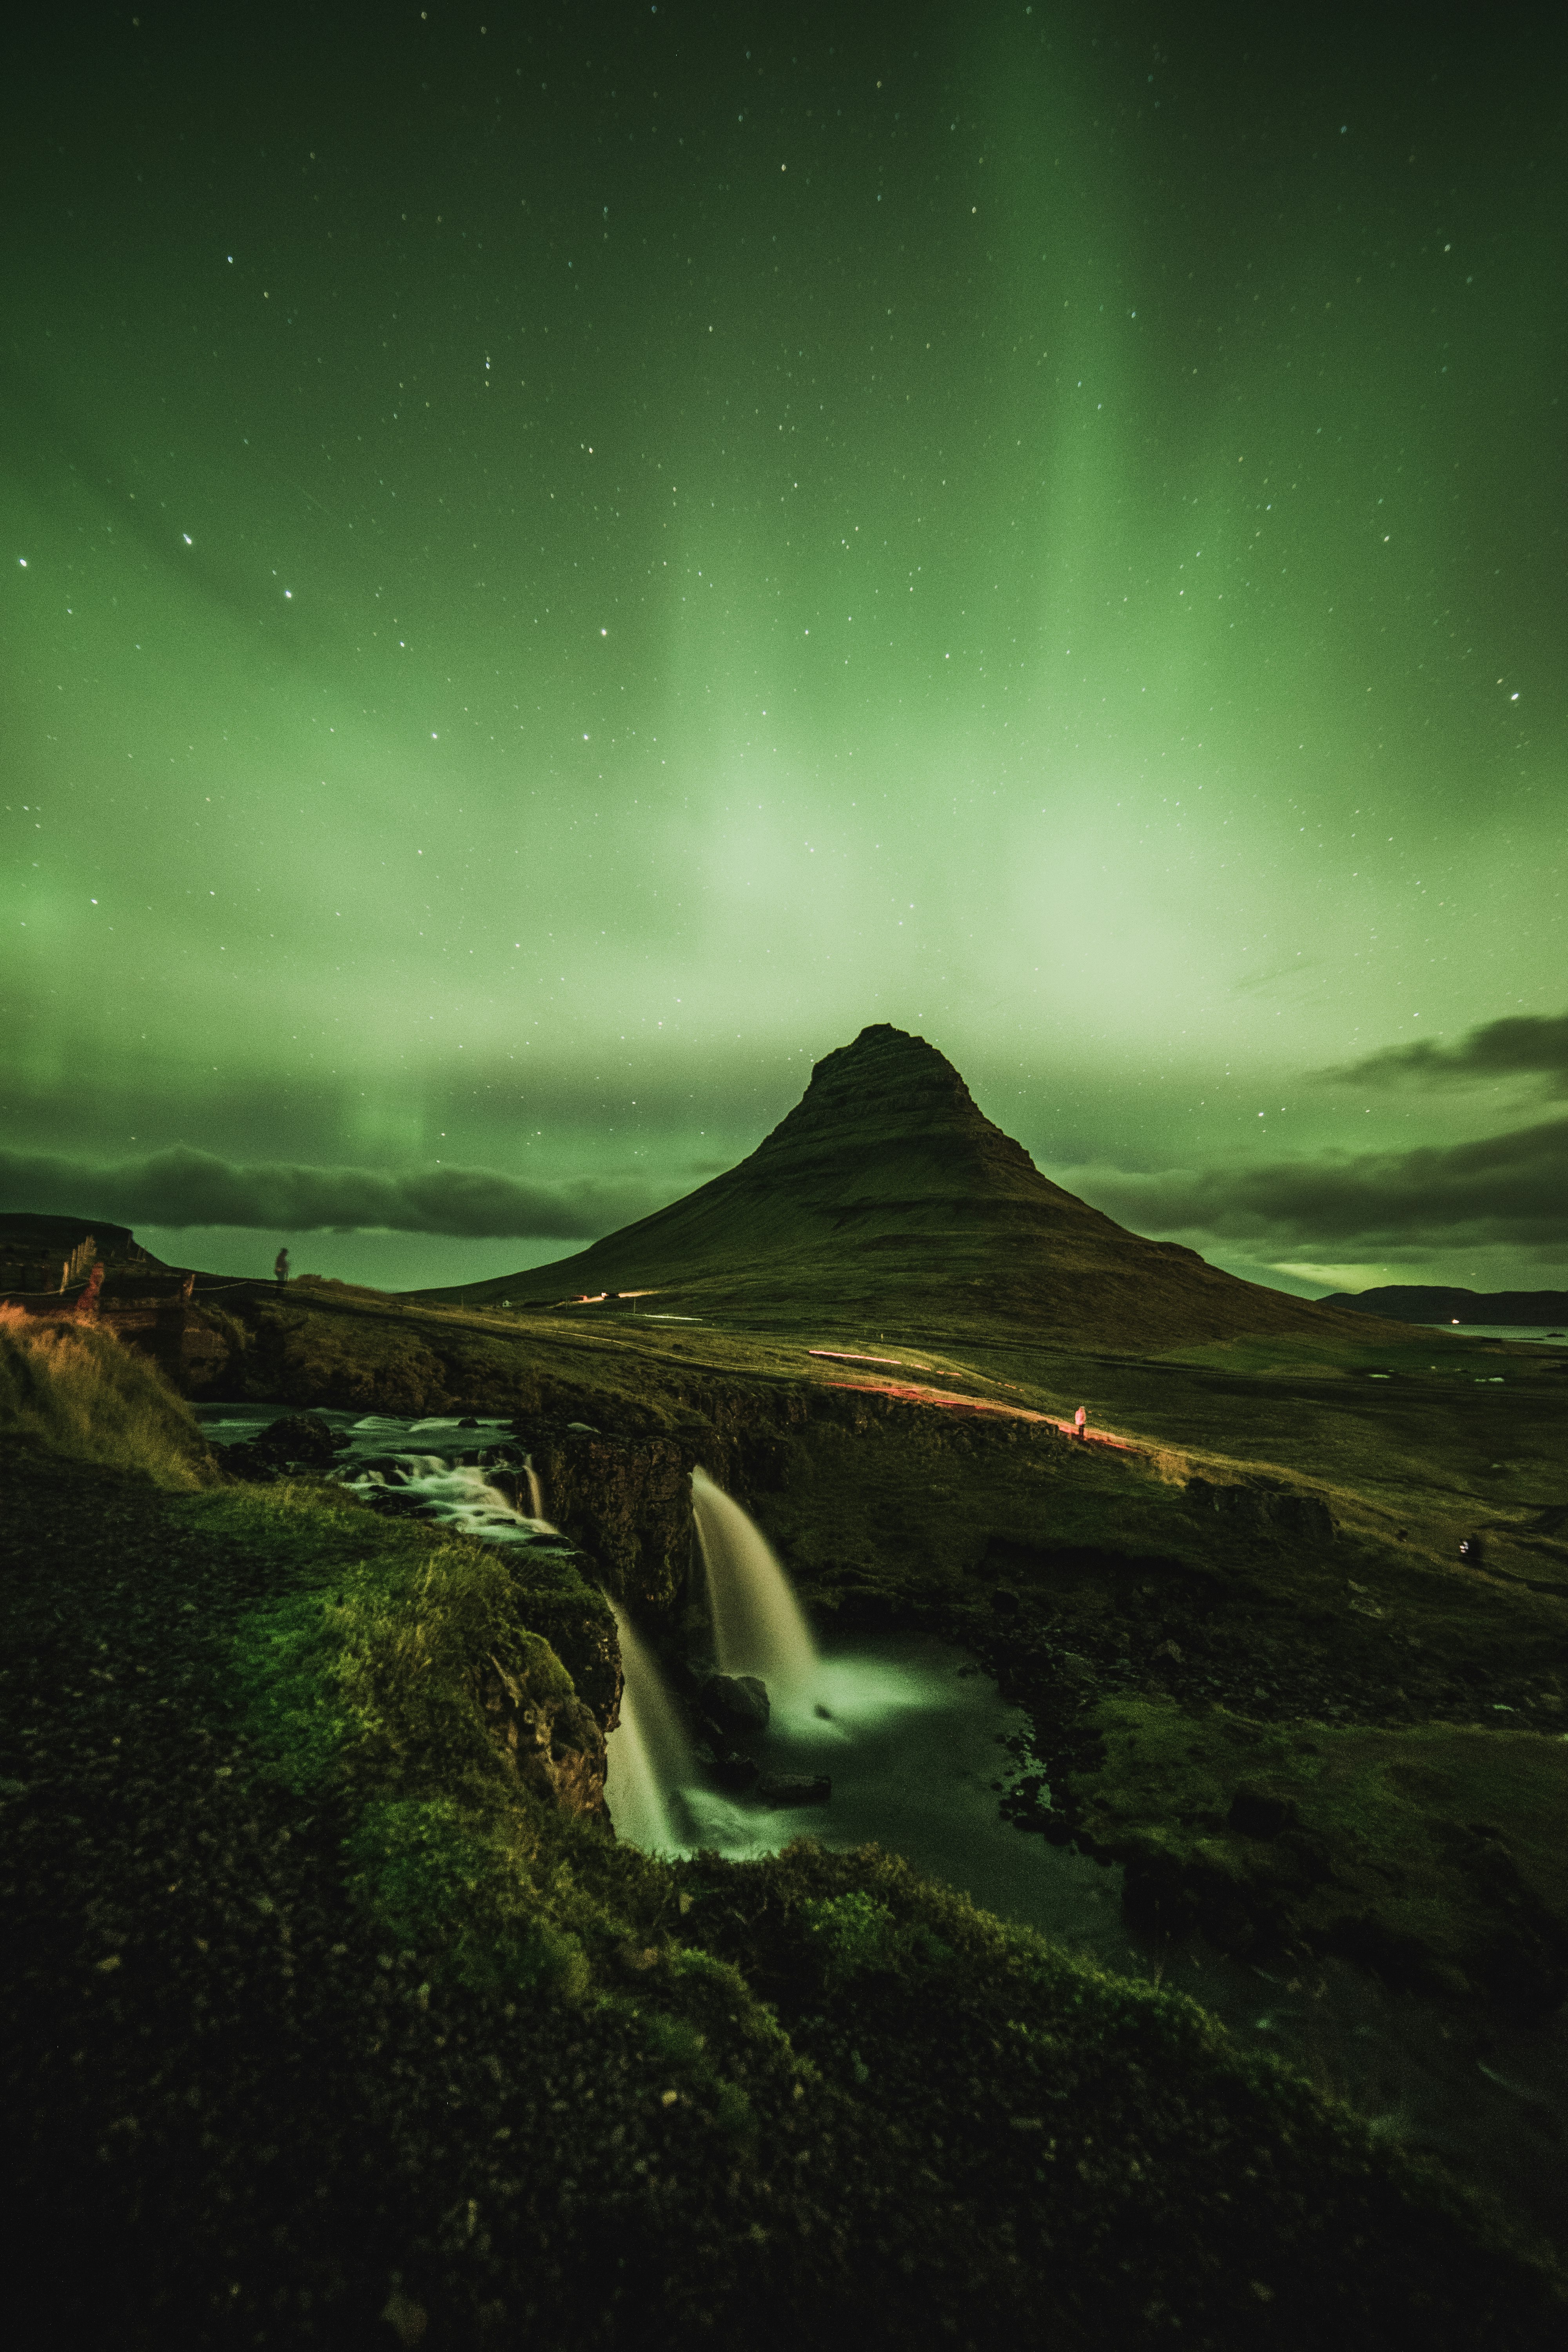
(327, 2028)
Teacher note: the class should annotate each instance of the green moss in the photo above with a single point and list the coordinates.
(856, 1933)
(448, 1881)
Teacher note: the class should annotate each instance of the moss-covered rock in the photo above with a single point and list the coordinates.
(1434, 1853)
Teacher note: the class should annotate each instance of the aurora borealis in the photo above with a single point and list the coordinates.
(554, 568)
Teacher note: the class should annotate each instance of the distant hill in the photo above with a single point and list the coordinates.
(1401, 1302)
(887, 1193)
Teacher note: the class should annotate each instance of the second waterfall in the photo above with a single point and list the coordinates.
(759, 1627)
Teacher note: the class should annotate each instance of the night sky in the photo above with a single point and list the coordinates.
(558, 563)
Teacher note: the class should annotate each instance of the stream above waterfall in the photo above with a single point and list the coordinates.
(914, 1739)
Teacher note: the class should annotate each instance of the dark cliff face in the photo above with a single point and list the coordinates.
(627, 1502)
(557, 1598)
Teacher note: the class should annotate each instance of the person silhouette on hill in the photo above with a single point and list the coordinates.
(280, 1265)
(1081, 1423)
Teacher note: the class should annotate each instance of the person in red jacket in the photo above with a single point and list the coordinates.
(1081, 1421)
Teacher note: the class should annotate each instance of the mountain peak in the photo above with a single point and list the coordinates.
(887, 1091)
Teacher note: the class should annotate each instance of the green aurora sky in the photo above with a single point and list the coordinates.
(558, 563)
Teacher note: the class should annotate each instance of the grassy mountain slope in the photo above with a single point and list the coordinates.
(887, 1190)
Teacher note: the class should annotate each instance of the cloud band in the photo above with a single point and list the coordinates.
(182, 1187)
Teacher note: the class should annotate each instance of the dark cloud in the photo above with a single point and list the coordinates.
(1507, 1188)
(194, 1188)
(1527, 1043)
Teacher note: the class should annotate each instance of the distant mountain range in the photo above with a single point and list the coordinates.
(1401, 1302)
(886, 1196)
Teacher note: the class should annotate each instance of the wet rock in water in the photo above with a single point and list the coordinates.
(795, 1788)
(396, 1502)
(298, 1441)
(732, 1771)
(469, 1421)
(736, 1702)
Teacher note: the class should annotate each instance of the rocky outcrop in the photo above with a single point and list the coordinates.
(626, 1501)
(557, 1599)
(550, 1736)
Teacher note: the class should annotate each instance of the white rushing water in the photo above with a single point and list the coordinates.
(758, 1625)
(478, 1501)
(648, 1755)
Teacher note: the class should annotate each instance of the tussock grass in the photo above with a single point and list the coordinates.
(77, 1391)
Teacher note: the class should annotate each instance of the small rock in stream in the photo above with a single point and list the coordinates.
(795, 1788)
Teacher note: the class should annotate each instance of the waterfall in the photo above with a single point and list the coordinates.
(758, 1625)
(650, 1756)
(535, 1493)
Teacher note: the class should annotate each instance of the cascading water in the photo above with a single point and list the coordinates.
(535, 1492)
(758, 1625)
(650, 1756)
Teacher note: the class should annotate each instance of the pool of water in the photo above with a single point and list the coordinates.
(911, 1736)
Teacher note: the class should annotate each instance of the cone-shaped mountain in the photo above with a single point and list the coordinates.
(887, 1190)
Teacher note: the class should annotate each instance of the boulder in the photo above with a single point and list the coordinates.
(298, 1441)
(736, 1702)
